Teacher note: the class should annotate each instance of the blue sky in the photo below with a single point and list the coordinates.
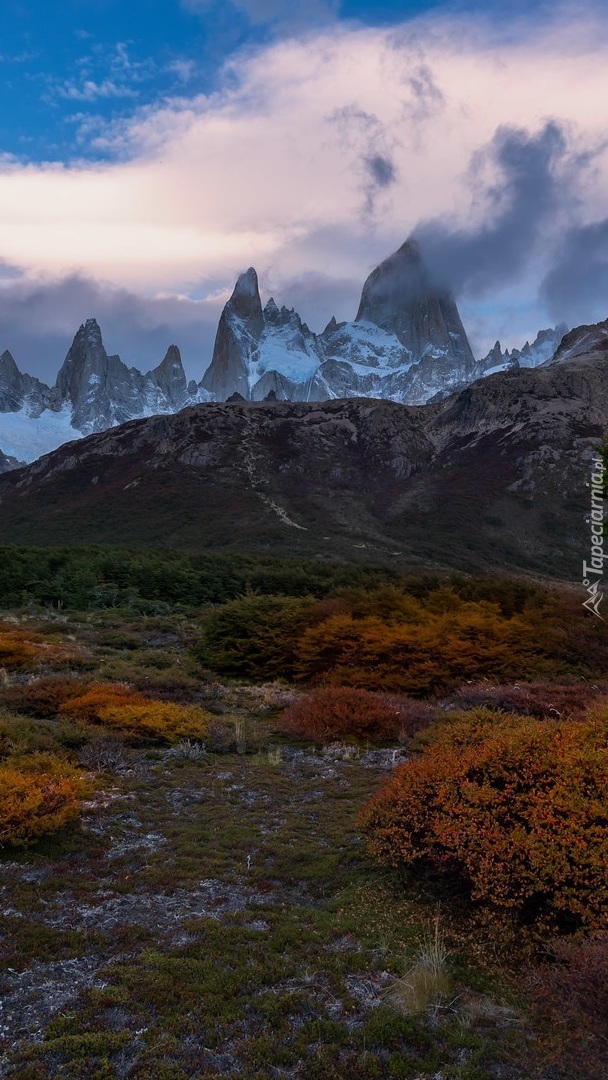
(68, 66)
(150, 150)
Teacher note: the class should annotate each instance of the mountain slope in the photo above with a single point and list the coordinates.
(493, 476)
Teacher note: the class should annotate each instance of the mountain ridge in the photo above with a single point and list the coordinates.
(493, 476)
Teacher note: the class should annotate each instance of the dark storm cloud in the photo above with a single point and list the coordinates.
(381, 170)
(39, 320)
(577, 286)
(518, 177)
(364, 133)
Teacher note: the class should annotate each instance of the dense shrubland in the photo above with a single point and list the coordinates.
(389, 639)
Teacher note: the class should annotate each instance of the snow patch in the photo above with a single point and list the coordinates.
(27, 438)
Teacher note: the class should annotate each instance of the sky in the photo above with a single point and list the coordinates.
(151, 151)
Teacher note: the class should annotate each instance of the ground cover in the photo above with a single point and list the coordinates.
(214, 911)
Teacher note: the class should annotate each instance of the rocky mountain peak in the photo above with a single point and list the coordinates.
(11, 383)
(407, 342)
(170, 378)
(245, 300)
(8, 367)
(394, 284)
(271, 311)
(399, 297)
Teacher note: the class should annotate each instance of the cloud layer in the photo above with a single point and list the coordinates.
(314, 159)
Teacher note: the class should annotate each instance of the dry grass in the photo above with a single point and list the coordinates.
(428, 982)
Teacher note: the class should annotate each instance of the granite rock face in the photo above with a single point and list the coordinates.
(19, 391)
(102, 391)
(407, 343)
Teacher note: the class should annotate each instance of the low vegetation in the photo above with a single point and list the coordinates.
(515, 808)
(349, 830)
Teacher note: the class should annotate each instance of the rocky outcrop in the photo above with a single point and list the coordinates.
(583, 341)
(492, 478)
(7, 463)
(23, 392)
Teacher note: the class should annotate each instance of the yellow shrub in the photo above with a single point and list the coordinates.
(157, 719)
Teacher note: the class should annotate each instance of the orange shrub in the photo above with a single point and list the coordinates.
(418, 658)
(117, 706)
(338, 712)
(38, 794)
(96, 697)
(517, 808)
(21, 648)
(157, 720)
(17, 649)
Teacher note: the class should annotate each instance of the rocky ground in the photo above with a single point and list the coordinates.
(215, 916)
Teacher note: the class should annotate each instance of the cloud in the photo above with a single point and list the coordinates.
(576, 287)
(89, 90)
(104, 73)
(524, 184)
(312, 158)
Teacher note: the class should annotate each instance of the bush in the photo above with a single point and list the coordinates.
(117, 706)
(21, 648)
(42, 698)
(540, 699)
(22, 735)
(418, 658)
(340, 712)
(257, 637)
(38, 795)
(515, 808)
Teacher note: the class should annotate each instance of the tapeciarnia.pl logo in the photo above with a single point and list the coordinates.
(593, 571)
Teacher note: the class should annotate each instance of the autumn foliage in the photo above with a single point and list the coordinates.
(389, 639)
(38, 794)
(22, 648)
(341, 712)
(118, 706)
(42, 698)
(515, 808)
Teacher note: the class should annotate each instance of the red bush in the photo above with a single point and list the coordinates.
(339, 712)
(42, 698)
(538, 699)
(516, 808)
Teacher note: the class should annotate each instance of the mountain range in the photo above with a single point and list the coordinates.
(407, 344)
(494, 475)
